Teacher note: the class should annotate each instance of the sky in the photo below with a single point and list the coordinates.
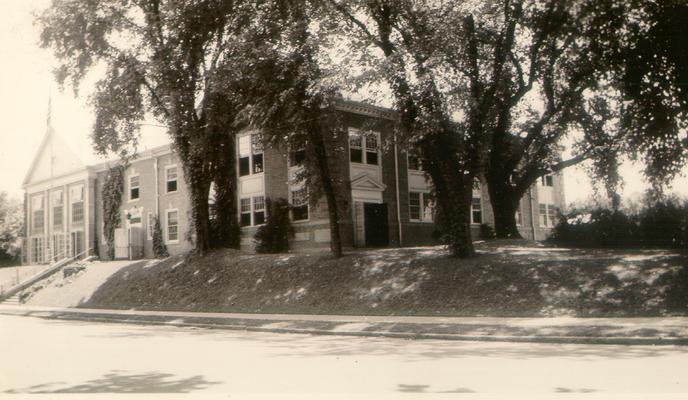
(26, 84)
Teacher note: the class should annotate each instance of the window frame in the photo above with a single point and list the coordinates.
(251, 155)
(168, 180)
(549, 216)
(409, 156)
(252, 211)
(474, 210)
(364, 148)
(149, 226)
(547, 180)
(72, 203)
(305, 204)
(423, 197)
(167, 226)
(131, 188)
(58, 194)
(40, 199)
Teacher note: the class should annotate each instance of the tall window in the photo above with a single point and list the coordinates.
(150, 226)
(420, 207)
(547, 180)
(476, 211)
(252, 211)
(250, 155)
(299, 204)
(58, 247)
(172, 226)
(58, 208)
(37, 250)
(552, 214)
(134, 187)
(76, 197)
(258, 210)
(548, 215)
(519, 217)
(246, 211)
(364, 148)
(171, 179)
(37, 213)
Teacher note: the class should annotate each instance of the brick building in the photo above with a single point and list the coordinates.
(389, 202)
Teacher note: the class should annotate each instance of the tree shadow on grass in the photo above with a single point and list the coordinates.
(404, 388)
(123, 382)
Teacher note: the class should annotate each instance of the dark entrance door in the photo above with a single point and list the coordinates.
(376, 228)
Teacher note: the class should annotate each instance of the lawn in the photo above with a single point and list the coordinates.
(507, 278)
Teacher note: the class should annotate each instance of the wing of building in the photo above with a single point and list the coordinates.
(389, 205)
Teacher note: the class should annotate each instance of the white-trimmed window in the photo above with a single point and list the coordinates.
(171, 179)
(476, 211)
(37, 213)
(76, 197)
(150, 226)
(518, 217)
(252, 211)
(364, 148)
(250, 155)
(547, 180)
(134, 187)
(58, 208)
(548, 215)
(413, 162)
(258, 210)
(420, 207)
(58, 246)
(172, 226)
(37, 250)
(135, 216)
(297, 157)
(299, 204)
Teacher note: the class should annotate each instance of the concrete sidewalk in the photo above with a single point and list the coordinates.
(627, 331)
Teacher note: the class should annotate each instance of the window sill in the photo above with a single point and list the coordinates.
(418, 221)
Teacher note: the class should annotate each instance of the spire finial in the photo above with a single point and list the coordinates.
(50, 108)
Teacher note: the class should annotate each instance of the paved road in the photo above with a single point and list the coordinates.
(50, 356)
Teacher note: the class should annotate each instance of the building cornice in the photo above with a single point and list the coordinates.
(357, 107)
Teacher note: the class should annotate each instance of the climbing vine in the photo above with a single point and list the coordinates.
(113, 189)
(159, 248)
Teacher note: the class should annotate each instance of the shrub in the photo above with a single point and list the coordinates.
(657, 224)
(273, 236)
(486, 232)
(159, 248)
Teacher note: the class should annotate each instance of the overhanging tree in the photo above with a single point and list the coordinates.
(161, 59)
(451, 153)
(519, 77)
(294, 108)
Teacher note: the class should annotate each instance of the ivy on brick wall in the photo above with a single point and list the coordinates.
(113, 189)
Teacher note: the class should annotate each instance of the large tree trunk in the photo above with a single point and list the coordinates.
(317, 140)
(199, 186)
(504, 206)
(226, 231)
(453, 192)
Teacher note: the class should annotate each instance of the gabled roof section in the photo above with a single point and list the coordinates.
(366, 182)
(53, 159)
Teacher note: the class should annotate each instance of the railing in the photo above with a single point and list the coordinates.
(46, 273)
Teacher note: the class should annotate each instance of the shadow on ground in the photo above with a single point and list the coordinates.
(123, 382)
